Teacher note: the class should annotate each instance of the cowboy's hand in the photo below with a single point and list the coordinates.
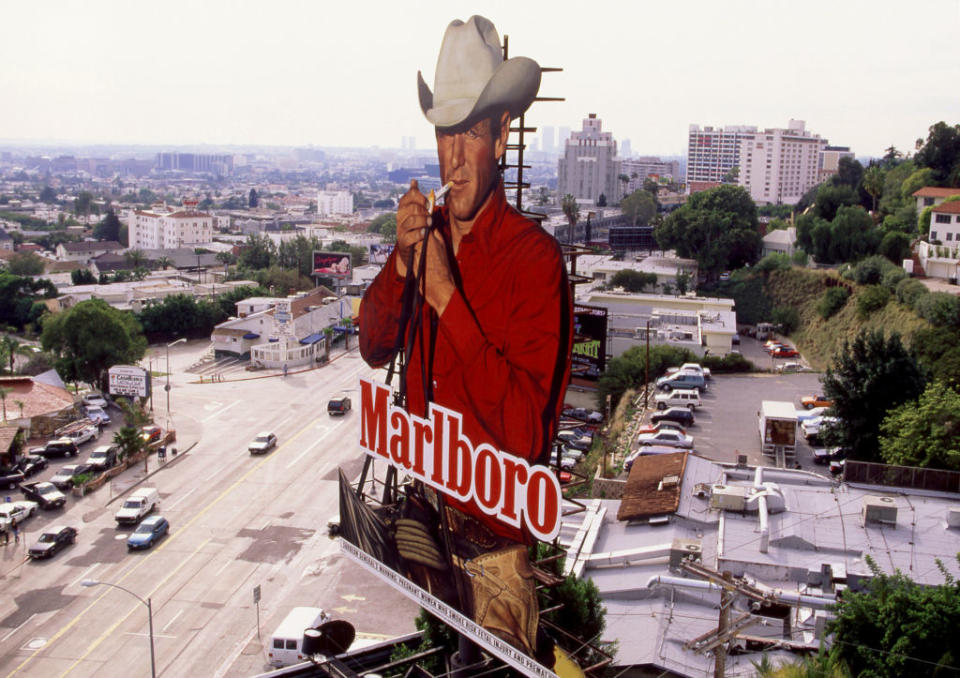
(412, 222)
(438, 285)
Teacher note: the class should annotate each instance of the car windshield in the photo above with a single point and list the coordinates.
(47, 537)
(144, 528)
(132, 503)
(46, 489)
(262, 439)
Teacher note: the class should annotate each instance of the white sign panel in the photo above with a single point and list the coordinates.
(128, 380)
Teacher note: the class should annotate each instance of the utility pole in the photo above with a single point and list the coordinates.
(646, 371)
(720, 651)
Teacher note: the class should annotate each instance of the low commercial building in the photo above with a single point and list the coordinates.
(780, 241)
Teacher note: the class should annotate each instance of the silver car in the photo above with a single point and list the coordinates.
(666, 437)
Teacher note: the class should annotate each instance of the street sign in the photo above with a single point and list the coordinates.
(256, 594)
(129, 380)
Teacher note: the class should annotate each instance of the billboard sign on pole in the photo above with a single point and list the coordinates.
(332, 264)
(589, 357)
(129, 380)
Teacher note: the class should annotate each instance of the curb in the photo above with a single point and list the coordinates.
(271, 376)
(180, 455)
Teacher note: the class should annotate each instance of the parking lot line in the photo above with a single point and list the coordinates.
(2, 640)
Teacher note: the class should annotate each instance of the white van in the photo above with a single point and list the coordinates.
(286, 641)
(678, 397)
(137, 505)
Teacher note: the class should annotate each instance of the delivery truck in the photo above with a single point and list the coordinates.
(778, 429)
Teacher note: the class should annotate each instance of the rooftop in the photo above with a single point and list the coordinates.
(935, 192)
(948, 207)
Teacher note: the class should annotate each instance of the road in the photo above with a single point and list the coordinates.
(236, 522)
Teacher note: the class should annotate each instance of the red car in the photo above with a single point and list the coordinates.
(784, 352)
(660, 426)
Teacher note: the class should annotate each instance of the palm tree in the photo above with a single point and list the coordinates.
(164, 262)
(4, 392)
(572, 211)
(129, 440)
(10, 347)
(135, 258)
(19, 403)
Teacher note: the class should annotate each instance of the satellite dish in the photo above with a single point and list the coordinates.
(330, 638)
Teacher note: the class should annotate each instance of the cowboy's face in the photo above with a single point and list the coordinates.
(468, 157)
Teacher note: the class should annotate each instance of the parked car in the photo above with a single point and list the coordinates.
(646, 451)
(150, 433)
(95, 400)
(263, 443)
(97, 415)
(807, 415)
(339, 405)
(148, 532)
(51, 540)
(45, 494)
(667, 438)
(64, 477)
(792, 366)
(103, 458)
(784, 352)
(583, 414)
(681, 415)
(31, 464)
(809, 402)
(771, 344)
(571, 439)
(61, 447)
(11, 476)
(825, 455)
(662, 426)
(16, 510)
(678, 397)
(82, 435)
(813, 428)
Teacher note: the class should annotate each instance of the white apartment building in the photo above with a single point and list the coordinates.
(589, 166)
(776, 166)
(334, 202)
(163, 227)
(638, 169)
(830, 160)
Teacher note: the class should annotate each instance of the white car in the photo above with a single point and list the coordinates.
(82, 435)
(813, 427)
(804, 416)
(786, 368)
(263, 443)
(16, 510)
(666, 437)
(94, 399)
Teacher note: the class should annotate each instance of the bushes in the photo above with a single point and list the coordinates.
(893, 277)
(871, 270)
(788, 319)
(730, 363)
(939, 309)
(870, 299)
(832, 301)
(910, 290)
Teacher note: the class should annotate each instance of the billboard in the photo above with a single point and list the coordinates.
(589, 356)
(332, 264)
(380, 252)
(129, 380)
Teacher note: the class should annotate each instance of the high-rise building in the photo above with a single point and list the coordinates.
(563, 133)
(334, 202)
(777, 166)
(212, 163)
(548, 134)
(589, 166)
(625, 150)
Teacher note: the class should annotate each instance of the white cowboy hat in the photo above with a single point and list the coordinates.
(472, 77)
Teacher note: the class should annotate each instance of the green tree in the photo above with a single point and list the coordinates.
(940, 309)
(571, 211)
(253, 199)
(627, 371)
(602, 200)
(11, 347)
(258, 252)
(358, 255)
(849, 172)
(91, 337)
(384, 224)
(135, 258)
(897, 627)
(872, 183)
(108, 228)
(869, 377)
(640, 207)
(25, 263)
(925, 432)
(129, 441)
(225, 258)
(633, 281)
(83, 204)
(297, 253)
(48, 195)
(181, 315)
(941, 153)
(895, 246)
(832, 301)
(81, 276)
(718, 228)
(871, 299)
(831, 197)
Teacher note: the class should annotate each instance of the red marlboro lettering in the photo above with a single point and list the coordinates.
(435, 451)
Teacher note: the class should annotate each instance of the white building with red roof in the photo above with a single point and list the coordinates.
(931, 196)
(939, 253)
(164, 227)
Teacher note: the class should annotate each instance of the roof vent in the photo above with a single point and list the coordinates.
(876, 509)
(953, 516)
(669, 482)
(729, 497)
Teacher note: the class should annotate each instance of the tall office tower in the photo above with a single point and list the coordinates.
(562, 136)
(334, 202)
(776, 166)
(589, 166)
(549, 136)
(625, 150)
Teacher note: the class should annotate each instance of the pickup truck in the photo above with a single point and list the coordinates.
(45, 494)
(10, 477)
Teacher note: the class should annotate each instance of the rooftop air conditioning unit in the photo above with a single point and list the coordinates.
(881, 510)
(953, 516)
(682, 549)
(729, 497)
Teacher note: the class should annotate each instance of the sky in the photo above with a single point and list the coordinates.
(863, 74)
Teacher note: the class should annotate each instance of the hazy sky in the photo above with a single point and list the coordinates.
(861, 74)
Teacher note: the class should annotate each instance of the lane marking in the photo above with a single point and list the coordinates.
(166, 542)
(225, 565)
(85, 575)
(219, 412)
(170, 506)
(167, 625)
(18, 628)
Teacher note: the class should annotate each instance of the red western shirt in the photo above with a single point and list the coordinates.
(501, 356)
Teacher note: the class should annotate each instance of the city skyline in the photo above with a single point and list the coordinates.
(312, 74)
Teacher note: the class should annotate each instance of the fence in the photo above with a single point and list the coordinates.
(901, 476)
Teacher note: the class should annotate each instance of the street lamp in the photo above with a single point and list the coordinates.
(167, 387)
(94, 582)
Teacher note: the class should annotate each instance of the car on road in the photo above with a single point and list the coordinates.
(150, 433)
(681, 415)
(95, 400)
(31, 464)
(792, 367)
(51, 540)
(825, 455)
(809, 402)
(82, 435)
(662, 426)
(64, 477)
(103, 458)
(97, 415)
(263, 443)
(666, 438)
(339, 405)
(784, 352)
(16, 510)
(10, 477)
(150, 530)
(44, 493)
(60, 447)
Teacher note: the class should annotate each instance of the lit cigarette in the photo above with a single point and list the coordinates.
(433, 197)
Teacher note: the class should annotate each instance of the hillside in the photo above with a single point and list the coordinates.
(818, 339)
